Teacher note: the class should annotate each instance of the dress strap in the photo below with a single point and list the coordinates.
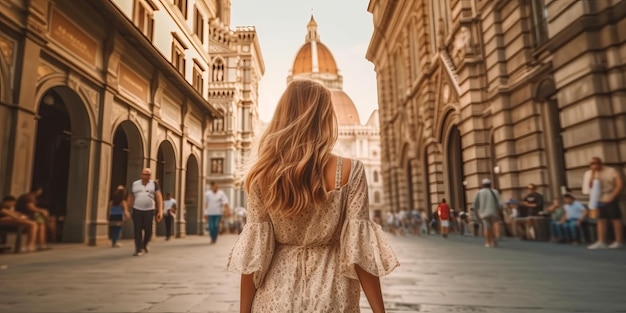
(339, 172)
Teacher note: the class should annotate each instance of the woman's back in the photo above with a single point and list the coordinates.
(321, 225)
(306, 262)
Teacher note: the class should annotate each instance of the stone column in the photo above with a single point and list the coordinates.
(25, 119)
(102, 157)
(180, 230)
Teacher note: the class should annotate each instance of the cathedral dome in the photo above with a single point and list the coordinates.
(314, 56)
(314, 61)
(324, 61)
(344, 108)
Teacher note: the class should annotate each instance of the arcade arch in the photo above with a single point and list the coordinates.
(61, 160)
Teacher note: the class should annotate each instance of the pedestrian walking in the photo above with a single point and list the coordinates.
(487, 203)
(146, 200)
(215, 205)
(443, 211)
(608, 209)
(424, 221)
(309, 239)
(169, 214)
(118, 213)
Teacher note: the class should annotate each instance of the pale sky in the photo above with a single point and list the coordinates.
(345, 27)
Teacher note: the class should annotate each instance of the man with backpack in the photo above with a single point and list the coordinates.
(487, 204)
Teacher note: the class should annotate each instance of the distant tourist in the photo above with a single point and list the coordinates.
(556, 221)
(574, 216)
(215, 203)
(610, 185)
(487, 203)
(530, 207)
(443, 212)
(27, 205)
(169, 214)
(146, 200)
(9, 217)
(118, 213)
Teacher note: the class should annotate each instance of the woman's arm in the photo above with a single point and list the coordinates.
(248, 290)
(371, 287)
(619, 185)
(125, 207)
(109, 211)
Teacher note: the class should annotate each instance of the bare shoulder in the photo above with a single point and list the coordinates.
(346, 171)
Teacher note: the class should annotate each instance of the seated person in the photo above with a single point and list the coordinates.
(27, 205)
(8, 217)
(530, 207)
(519, 219)
(556, 214)
(510, 213)
(575, 215)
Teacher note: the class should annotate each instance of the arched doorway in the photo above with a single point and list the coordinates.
(61, 162)
(409, 184)
(127, 162)
(166, 174)
(193, 216)
(553, 140)
(455, 170)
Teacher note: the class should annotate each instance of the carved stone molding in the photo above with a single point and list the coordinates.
(37, 18)
(7, 49)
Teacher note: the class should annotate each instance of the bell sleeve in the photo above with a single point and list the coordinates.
(254, 248)
(363, 242)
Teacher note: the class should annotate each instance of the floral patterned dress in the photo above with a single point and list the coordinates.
(306, 263)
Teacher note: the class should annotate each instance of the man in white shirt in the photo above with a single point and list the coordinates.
(145, 198)
(215, 202)
(169, 214)
(608, 208)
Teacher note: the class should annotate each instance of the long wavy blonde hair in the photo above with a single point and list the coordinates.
(295, 149)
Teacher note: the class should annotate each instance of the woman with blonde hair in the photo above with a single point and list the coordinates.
(308, 241)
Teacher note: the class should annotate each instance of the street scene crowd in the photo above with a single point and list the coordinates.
(143, 204)
(596, 221)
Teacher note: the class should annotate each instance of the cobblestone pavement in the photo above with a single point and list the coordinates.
(436, 275)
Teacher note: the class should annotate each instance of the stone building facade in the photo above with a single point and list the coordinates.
(518, 91)
(316, 62)
(84, 107)
(236, 69)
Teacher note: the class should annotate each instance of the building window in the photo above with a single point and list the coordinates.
(178, 55)
(218, 123)
(198, 26)
(143, 16)
(217, 70)
(376, 196)
(198, 76)
(217, 166)
(182, 6)
(400, 76)
(540, 21)
(376, 178)
(246, 71)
